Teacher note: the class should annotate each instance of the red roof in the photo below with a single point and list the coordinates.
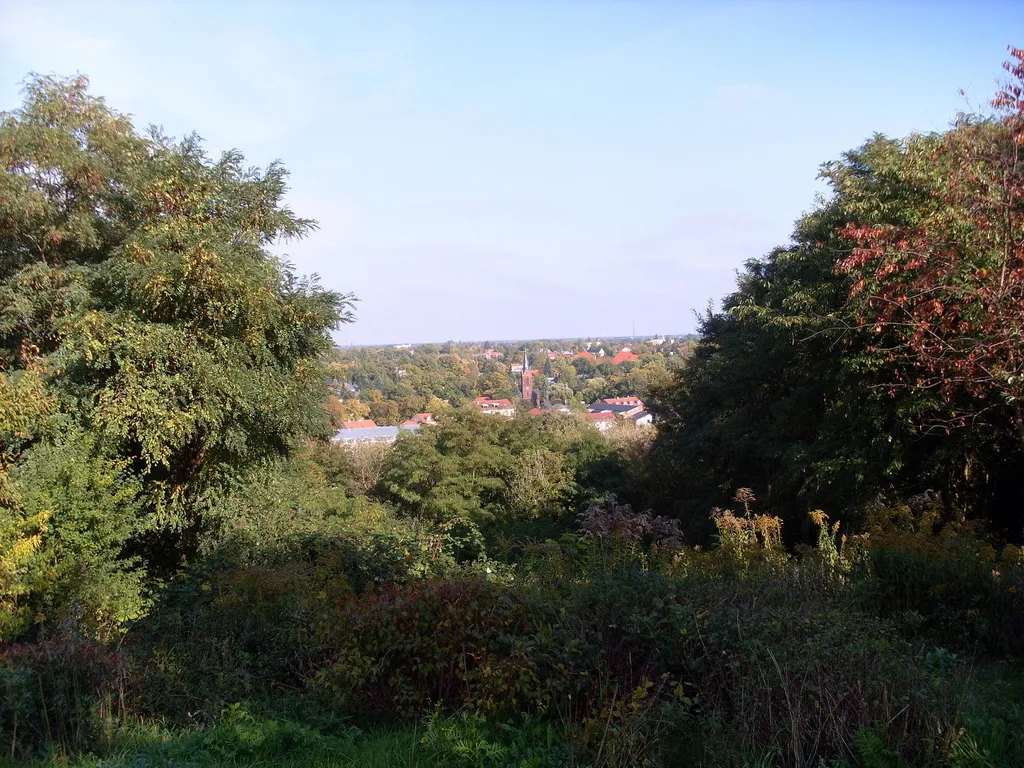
(539, 411)
(423, 418)
(603, 416)
(623, 356)
(587, 355)
(486, 402)
(410, 423)
(359, 424)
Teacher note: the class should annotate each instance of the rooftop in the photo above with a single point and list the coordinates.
(359, 424)
(611, 408)
(372, 433)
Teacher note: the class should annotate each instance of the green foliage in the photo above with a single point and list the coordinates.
(23, 406)
(945, 580)
(469, 740)
(244, 621)
(81, 569)
(457, 641)
(239, 738)
(135, 276)
(176, 546)
(490, 470)
(778, 395)
(792, 393)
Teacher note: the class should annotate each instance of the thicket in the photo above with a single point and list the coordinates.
(634, 651)
(191, 574)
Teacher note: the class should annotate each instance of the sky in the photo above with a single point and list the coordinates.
(515, 169)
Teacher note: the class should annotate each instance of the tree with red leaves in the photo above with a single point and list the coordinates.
(944, 290)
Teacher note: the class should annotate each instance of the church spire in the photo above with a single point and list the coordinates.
(527, 388)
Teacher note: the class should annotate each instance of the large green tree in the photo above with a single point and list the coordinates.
(784, 393)
(137, 282)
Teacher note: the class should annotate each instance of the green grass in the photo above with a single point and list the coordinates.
(990, 703)
(246, 742)
(242, 740)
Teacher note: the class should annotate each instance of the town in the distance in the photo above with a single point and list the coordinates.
(380, 392)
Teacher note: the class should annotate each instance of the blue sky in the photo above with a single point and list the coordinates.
(495, 170)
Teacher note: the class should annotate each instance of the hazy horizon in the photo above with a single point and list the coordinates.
(527, 170)
(538, 340)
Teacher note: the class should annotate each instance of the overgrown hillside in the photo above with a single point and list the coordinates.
(812, 559)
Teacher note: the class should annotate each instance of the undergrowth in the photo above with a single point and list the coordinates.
(603, 650)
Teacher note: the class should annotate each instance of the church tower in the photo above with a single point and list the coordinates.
(527, 380)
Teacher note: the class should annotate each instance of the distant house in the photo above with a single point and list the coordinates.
(500, 407)
(419, 420)
(359, 424)
(585, 356)
(539, 411)
(624, 410)
(623, 356)
(643, 419)
(371, 435)
(631, 400)
(492, 354)
(603, 421)
(516, 368)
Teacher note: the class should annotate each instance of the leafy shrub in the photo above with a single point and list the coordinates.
(758, 649)
(788, 661)
(237, 625)
(87, 514)
(944, 579)
(401, 648)
(470, 740)
(623, 730)
(607, 519)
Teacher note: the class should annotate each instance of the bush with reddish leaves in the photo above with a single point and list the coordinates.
(66, 690)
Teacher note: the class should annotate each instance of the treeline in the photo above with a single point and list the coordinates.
(390, 384)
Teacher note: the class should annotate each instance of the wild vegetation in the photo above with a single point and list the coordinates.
(814, 560)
